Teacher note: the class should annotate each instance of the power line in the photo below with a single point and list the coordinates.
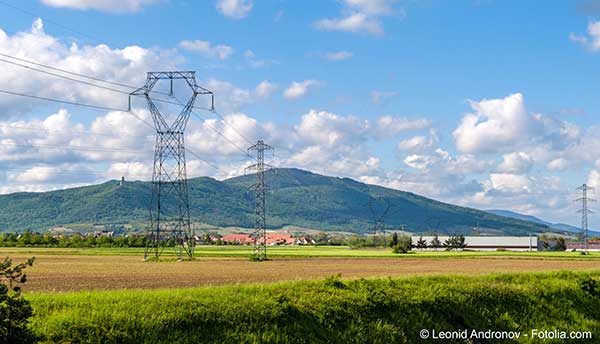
(67, 71)
(63, 76)
(120, 91)
(108, 88)
(231, 126)
(81, 132)
(99, 107)
(80, 148)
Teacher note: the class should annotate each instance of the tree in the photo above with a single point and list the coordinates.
(14, 309)
(421, 243)
(394, 241)
(561, 245)
(435, 242)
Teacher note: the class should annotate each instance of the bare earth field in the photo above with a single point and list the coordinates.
(77, 272)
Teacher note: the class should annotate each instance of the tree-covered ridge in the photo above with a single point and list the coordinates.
(295, 197)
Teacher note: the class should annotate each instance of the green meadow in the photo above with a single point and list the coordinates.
(297, 252)
(326, 311)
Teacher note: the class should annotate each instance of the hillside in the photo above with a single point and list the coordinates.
(295, 197)
(555, 227)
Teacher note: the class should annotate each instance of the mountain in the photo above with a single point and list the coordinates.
(295, 197)
(561, 227)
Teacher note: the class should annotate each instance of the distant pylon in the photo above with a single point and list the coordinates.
(169, 203)
(379, 218)
(260, 223)
(584, 211)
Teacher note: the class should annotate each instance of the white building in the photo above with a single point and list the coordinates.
(490, 243)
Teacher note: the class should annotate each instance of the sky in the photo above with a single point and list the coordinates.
(487, 104)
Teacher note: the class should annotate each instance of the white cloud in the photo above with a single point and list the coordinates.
(388, 126)
(495, 125)
(510, 182)
(329, 129)
(128, 65)
(418, 144)
(592, 40)
(361, 16)
(265, 89)
(338, 55)
(516, 162)
(204, 48)
(114, 6)
(558, 164)
(130, 170)
(594, 179)
(356, 22)
(236, 9)
(299, 89)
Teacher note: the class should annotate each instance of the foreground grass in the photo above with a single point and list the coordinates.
(296, 252)
(330, 311)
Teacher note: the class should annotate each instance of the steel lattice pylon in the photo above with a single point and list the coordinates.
(169, 203)
(260, 224)
(585, 211)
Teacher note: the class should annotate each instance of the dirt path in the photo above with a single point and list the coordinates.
(64, 273)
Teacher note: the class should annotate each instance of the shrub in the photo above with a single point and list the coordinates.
(15, 311)
(404, 245)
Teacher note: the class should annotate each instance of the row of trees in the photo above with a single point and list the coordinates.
(29, 239)
(404, 244)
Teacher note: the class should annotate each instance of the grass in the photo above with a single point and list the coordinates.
(297, 252)
(325, 311)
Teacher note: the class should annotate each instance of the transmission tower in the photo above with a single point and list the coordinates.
(584, 211)
(169, 203)
(260, 235)
(379, 218)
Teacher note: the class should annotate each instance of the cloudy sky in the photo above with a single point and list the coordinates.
(488, 104)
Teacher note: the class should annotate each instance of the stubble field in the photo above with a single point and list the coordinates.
(72, 270)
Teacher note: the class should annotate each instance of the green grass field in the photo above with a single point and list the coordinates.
(326, 311)
(297, 252)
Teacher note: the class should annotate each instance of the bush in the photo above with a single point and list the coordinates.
(404, 245)
(15, 311)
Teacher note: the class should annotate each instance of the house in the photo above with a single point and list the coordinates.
(275, 239)
(242, 239)
(304, 241)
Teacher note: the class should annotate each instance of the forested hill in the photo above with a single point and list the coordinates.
(295, 197)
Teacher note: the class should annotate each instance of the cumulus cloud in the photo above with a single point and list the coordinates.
(114, 6)
(299, 89)
(205, 48)
(495, 125)
(417, 144)
(591, 40)
(128, 65)
(516, 162)
(236, 9)
(510, 182)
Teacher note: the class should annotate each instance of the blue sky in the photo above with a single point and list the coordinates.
(489, 104)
